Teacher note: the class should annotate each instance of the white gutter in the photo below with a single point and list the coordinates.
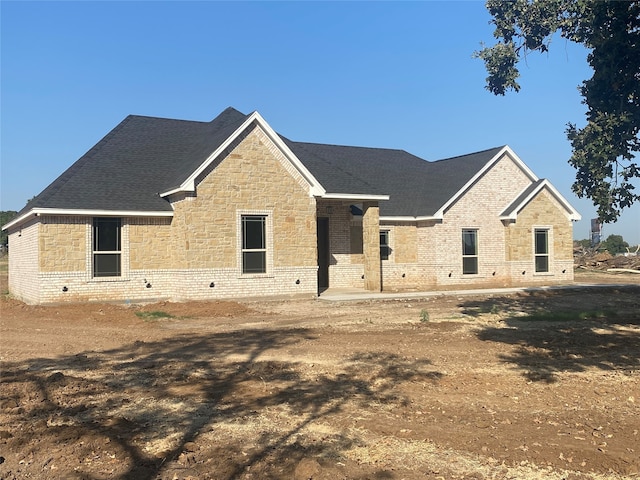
(36, 212)
(353, 196)
(411, 219)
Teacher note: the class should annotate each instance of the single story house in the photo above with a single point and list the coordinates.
(172, 209)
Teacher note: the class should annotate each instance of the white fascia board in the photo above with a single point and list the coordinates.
(316, 188)
(189, 184)
(518, 161)
(573, 213)
(514, 212)
(171, 192)
(409, 219)
(18, 220)
(35, 212)
(353, 196)
(506, 149)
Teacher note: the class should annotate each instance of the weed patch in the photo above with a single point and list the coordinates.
(154, 315)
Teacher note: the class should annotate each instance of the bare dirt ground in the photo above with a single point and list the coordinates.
(539, 385)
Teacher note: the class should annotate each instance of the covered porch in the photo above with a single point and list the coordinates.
(348, 233)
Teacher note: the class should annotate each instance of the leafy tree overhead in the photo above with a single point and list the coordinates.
(604, 151)
(614, 244)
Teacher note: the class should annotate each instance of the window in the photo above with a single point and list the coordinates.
(355, 238)
(385, 250)
(469, 252)
(254, 246)
(541, 239)
(106, 247)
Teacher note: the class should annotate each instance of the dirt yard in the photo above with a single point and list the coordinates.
(541, 385)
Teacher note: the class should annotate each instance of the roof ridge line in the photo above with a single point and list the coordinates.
(469, 154)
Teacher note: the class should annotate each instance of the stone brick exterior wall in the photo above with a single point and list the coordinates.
(23, 262)
(62, 242)
(479, 208)
(346, 269)
(401, 270)
(253, 177)
(151, 243)
(545, 212)
(427, 255)
(196, 254)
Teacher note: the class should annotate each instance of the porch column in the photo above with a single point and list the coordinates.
(371, 246)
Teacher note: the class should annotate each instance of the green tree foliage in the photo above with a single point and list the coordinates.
(586, 243)
(5, 217)
(603, 152)
(614, 244)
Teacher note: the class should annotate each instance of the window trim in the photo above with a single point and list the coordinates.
(547, 254)
(386, 233)
(470, 256)
(97, 252)
(260, 223)
(268, 243)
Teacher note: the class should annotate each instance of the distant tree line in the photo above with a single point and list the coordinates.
(5, 217)
(613, 244)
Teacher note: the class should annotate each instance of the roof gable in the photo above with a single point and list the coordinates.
(511, 212)
(227, 137)
(491, 157)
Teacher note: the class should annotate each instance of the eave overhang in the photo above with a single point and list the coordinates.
(36, 212)
(360, 197)
(410, 219)
(511, 213)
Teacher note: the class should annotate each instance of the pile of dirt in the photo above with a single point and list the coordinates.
(592, 259)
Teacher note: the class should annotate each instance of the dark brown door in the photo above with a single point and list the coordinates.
(323, 253)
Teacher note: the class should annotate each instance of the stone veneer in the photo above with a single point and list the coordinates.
(545, 212)
(196, 254)
(427, 255)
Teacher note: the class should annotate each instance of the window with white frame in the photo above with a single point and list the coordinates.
(254, 244)
(541, 241)
(469, 251)
(107, 249)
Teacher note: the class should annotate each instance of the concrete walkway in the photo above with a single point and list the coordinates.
(359, 295)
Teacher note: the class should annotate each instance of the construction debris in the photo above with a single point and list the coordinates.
(592, 259)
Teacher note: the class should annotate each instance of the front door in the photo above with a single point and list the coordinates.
(323, 253)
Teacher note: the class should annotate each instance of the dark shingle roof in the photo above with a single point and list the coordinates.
(138, 159)
(416, 187)
(145, 156)
(511, 209)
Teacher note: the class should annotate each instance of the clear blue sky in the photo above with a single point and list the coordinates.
(380, 74)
